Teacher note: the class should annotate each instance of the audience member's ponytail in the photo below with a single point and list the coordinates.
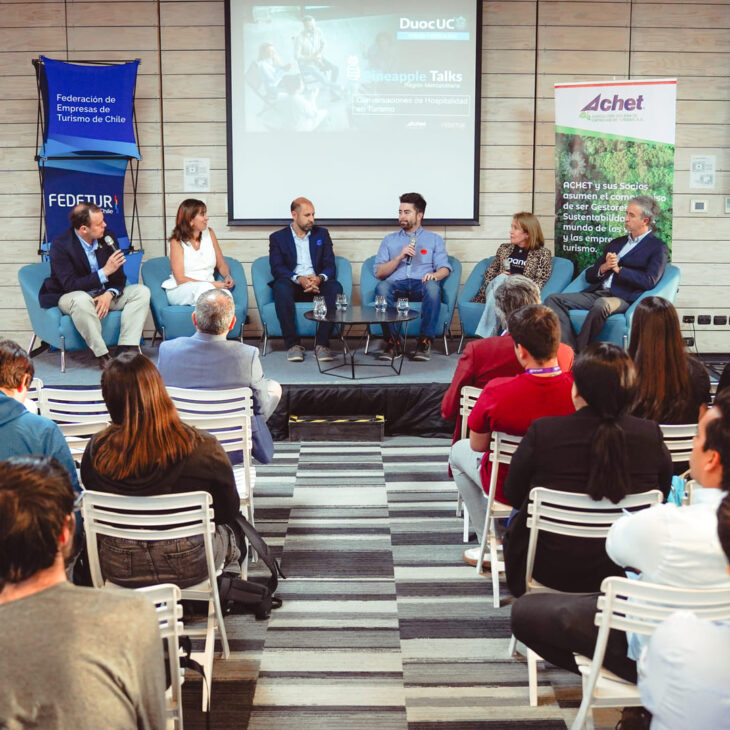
(605, 378)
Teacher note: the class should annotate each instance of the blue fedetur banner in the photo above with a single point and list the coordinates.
(69, 182)
(88, 109)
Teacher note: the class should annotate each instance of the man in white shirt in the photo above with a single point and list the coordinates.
(666, 544)
(629, 266)
(684, 670)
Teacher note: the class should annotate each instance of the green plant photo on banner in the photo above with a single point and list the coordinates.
(596, 177)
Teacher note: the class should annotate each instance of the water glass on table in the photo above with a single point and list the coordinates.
(320, 308)
(381, 303)
(341, 302)
(402, 306)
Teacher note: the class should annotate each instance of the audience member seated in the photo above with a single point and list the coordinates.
(669, 545)
(147, 450)
(23, 432)
(194, 256)
(510, 405)
(75, 657)
(672, 385)
(683, 670)
(209, 360)
(494, 357)
(599, 450)
(525, 254)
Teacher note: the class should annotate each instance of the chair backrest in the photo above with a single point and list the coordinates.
(77, 435)
(468, 398)
(560, 277)
(166, 517)
(502, 447)
(576, 515)
(34, 392)
(225, 414)
(67, 405)
(166, 600)
(678, 439)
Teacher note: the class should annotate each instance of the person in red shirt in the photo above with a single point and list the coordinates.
(510, 405)
(494, 357)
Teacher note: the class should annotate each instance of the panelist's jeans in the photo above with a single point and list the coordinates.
(415, 290)
(600, 305)
(286, 292)
(466, 467)
(134, 302)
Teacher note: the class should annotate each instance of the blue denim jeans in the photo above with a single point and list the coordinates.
(415, 290)
(133, 564)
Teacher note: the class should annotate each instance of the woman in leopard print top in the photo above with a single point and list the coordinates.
(525, 254)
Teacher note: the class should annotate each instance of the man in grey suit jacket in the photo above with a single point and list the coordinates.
(209, 360)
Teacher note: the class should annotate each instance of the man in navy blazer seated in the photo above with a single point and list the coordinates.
(303, 265)
(629, 266)
(87, 282)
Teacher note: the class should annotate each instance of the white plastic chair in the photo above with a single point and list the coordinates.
(67, 405)
(226, 414)
(166, 517)
(678, 439)
(572, 515)
(467, 400)
(166, 600)
(637, 607)
(77, 435)
(34, 393)
(502, 447)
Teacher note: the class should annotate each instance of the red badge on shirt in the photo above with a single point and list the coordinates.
(424, 251)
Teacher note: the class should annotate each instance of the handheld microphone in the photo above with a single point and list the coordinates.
(412, 242)
(109, 241)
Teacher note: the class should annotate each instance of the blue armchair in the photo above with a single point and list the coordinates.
(50, 325)
(173, 321)
(618, 326)
(261, 276)
(471, 312)
(450, 289)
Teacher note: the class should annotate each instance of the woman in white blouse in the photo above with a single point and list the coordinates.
(194, 256)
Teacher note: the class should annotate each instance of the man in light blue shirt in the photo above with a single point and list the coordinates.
(412, 263)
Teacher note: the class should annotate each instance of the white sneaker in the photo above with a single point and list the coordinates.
(471, 556)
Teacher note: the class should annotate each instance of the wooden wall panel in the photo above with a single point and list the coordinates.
(181, 103)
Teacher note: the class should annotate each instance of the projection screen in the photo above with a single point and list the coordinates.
(350, 105)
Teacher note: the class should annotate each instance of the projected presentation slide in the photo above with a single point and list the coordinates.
(352, 104)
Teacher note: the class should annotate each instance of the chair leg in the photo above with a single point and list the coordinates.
(461, 343)
(32, 342)
(532, 677)
(265, 338)
(512, 648)
(367, 340)
(446, 344)
(626, 341)
(63, 354)
(465, 537)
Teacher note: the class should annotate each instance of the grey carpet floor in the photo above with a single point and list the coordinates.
(382, 624)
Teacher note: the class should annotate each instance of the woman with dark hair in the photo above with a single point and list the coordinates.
(147, 450)
(525, 254)
(599, 450)
(672, 386)
(194, 256)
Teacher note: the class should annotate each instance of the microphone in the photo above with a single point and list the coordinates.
(109, 241)
(412, 242)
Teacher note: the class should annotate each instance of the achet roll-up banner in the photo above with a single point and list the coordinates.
(613, 140)
(88, 139)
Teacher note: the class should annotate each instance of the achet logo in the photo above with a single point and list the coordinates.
(617, 104)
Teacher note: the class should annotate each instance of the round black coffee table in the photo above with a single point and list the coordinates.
(344, 320)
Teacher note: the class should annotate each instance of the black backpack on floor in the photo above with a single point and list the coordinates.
(254, 596)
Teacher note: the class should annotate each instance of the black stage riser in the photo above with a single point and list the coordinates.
(413, 409)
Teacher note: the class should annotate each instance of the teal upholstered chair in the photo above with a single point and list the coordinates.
(618, 326)
(450, 289)
(173, 321)
(50, 325)
(470, 312)
(261, 276)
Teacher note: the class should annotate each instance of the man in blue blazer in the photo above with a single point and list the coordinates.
(87, 282)
(629, 266)
(303, 265)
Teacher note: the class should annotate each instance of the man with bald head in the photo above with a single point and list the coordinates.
(303, 265)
